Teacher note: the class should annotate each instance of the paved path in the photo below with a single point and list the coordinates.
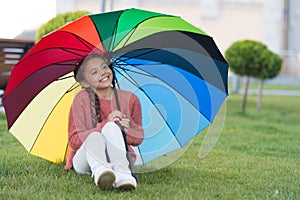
(274, 92)
(280, 80)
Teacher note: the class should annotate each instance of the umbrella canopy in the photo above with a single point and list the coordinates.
(174, 68)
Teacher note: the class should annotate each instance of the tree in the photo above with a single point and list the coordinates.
(58, 21)
(246, 58)
(270, 68)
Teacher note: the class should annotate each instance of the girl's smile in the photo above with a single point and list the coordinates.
(97, 74)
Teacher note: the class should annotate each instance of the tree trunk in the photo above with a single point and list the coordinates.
(243, 107)
(260, 94)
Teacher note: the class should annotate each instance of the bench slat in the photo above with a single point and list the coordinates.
(11, 51)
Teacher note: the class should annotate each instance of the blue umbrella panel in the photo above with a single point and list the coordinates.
(176, 104)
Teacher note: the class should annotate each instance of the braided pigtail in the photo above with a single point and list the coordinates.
(78, 70)
(95, 107)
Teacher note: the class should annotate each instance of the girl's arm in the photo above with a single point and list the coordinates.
(135, 134)
(80, 122)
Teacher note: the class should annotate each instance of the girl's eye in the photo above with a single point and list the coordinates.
(104, 67)
(94, 72)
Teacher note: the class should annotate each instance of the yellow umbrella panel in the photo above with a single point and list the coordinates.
(42, 127)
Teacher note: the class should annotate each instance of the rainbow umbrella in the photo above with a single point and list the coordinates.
(174, 68)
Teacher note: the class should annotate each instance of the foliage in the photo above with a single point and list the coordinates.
(256, 157)
(245, 57)
(58, 21)
(252, 59)
(271, 65)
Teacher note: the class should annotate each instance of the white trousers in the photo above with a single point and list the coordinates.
(106, 148)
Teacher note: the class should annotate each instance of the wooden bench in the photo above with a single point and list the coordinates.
(11, 51)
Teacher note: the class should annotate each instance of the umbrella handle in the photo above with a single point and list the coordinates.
(131, 165)
(128, 153)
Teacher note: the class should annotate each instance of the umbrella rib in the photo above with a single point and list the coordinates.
(65, 49)
(139, 55)
(64, 63)
(139, 64)
(130, 80)
(135, 28)
(129, 70)
(80, 39)
(114, 33)
(63, 78)
(36, 139)
(83, 41)
(72, 88)
(153, 76)
(131, 33)
(66, 150)
(142, 54)
(141, 89)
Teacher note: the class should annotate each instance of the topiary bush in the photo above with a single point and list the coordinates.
(252, 58)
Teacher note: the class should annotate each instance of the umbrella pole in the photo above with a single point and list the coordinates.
(128, 154)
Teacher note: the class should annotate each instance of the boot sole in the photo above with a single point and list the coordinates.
(106, 180)
(126, 187)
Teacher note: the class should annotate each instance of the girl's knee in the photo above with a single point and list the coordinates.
(94, 136)
(111, 128)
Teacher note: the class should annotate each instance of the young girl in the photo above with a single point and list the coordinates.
(95, 125)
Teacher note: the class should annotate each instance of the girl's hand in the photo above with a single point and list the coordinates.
(115, 116)
(120, 119)
(125, 123)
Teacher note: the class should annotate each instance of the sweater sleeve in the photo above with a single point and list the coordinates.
(135, 134)
(80, 122)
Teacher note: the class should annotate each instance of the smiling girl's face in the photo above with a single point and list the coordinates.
(97, 74)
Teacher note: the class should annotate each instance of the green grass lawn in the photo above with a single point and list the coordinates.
(268, 86)
(257, 157)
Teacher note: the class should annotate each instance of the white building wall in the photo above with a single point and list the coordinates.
(210, 9)
(273, 24)
(293, 40)
(63, 6)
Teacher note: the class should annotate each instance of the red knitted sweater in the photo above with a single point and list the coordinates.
(80, 120)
